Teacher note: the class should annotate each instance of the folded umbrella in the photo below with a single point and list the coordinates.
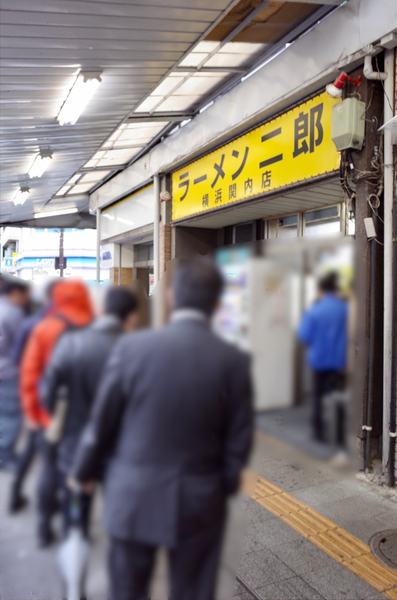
(73, 555)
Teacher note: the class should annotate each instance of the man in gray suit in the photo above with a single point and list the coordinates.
(174, 412)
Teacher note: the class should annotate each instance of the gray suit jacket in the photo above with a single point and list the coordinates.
(76, 365)
(174, 410)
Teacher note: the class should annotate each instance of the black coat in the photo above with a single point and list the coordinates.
(73, 373)
(175, 406)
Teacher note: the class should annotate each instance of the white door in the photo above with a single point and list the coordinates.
(272, 293)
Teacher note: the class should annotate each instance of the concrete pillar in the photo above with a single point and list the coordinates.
(389, 187)
(165, 228)
(98, 245)
(371, 93)
(156, 228)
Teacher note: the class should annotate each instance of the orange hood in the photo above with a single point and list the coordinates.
(71, 298)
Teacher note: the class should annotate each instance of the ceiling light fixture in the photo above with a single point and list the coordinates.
(56, 213)
(39, 165)
(79, 96)
(21, 196)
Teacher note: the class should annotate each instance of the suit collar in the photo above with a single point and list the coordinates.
(188, 314)
(108, 323)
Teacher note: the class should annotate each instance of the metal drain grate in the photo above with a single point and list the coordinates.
(384, 547)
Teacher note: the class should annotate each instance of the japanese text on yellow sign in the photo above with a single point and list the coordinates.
(294, 147)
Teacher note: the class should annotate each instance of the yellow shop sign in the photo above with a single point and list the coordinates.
(292, 148)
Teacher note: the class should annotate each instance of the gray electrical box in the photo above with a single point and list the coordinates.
(348, 124)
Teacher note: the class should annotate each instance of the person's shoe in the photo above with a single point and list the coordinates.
(45, 537)
(17, 503)
(340, 461)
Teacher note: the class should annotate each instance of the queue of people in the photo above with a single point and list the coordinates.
(161, 419)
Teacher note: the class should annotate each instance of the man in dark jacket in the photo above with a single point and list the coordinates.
(174, 405)
(75, 366)
(71, 309)
(25, 459)
(13, 302)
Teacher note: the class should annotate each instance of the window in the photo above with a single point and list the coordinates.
(322, 222)
(244, 233)
(288, 227)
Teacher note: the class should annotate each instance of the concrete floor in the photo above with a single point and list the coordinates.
(277, 562)
(273, 560)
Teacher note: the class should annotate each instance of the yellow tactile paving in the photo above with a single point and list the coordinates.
(392, 594)
(338, 543)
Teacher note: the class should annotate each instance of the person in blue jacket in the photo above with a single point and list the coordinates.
(323, 329)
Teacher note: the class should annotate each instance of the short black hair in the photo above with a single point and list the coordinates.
(11, 283)
(329, 283)
(120, 301)
(197, 284)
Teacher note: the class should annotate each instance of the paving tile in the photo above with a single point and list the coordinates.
(360, 507)
(320, 493)
(292, 480)
(251, 544)
(20, 559)
(298, 588)
(302, 557)
(353, 486)
(261, 568)
(291, 589)
(255, 511)
(239, 590)
(241, 593)
(387, 520)
(326, 492)
(338, 583)
(271, 533)
(251, 572)
(269, 592)
(364, 529)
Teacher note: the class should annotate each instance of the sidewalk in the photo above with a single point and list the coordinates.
(28, 573)
(275, 561)
(279, 563)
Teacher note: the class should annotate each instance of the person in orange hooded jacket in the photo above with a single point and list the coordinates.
(71, 308)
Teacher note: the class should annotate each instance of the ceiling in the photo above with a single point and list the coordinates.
(160, 62)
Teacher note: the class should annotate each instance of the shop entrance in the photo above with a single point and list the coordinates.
(143, 266)
(136, 264)
(272, 262)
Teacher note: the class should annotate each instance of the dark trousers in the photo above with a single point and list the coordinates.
(48, 483)
(193, 567)
(10, 419)
(24, 462)
(324, 382)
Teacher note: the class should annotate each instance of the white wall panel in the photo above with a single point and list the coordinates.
(129, 214)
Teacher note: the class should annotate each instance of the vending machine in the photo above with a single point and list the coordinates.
(256, 315)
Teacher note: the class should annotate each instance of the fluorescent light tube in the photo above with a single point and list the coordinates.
(39, 165)
(79, 96)
(21, 196)
(55, 213)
